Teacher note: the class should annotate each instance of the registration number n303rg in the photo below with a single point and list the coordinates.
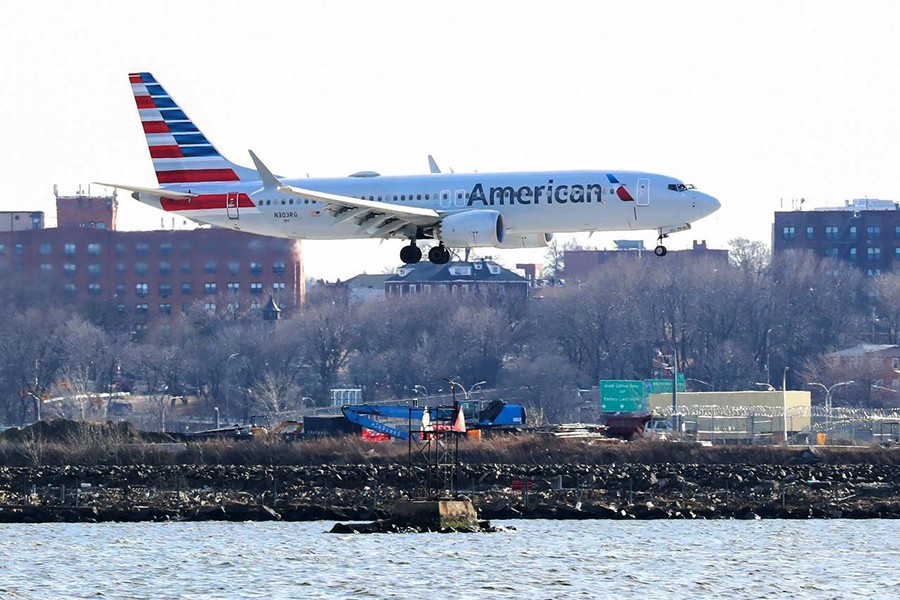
(285, 215)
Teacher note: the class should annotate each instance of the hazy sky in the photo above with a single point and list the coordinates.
(754, 102)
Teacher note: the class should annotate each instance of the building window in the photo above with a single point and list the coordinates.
(165, 268)
(897, 253)
(810, 232)
(120, 250)
(185, 289)
(831, 252)
(140, 268)
(69, 269)
(278, 267)
(788, 233)
(94, 249)
(278, 286)
(185, 247)
(256, 288)
(874, 253)
(69, 249)
(2, 249)
(45, 249)
(233, 308)
(93, 289)
(69, 289)
(831, 232)
(873, 232)
(873, 272)
(120, 268)
(234, 287)
(853, 231)
(852, 253)
(120, 290)
(165, 249)
(165, 308)
(210, 267)
(209, 307)
(209, 289)
(233, 267)
(46, 267)
(142, 249)
(185, 268)
(141, 309)
(141, 290)
(165, 290)
(94, 269)
(255, 268)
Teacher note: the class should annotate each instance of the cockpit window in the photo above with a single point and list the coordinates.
(680, 187)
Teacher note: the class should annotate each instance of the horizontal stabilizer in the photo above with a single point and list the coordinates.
(155, 192)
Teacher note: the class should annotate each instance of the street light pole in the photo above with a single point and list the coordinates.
(784, 406)
(227, 392)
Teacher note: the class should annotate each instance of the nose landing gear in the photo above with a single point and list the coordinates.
(660, 250)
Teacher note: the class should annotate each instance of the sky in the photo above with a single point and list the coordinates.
(758, 103)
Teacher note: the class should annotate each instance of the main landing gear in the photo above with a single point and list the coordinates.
(439, 254)
(411, 254)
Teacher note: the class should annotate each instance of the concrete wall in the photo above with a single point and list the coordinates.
(739, 416)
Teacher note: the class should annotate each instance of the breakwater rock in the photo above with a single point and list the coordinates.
(499, 491)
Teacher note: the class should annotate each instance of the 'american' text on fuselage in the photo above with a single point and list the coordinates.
(532, 195)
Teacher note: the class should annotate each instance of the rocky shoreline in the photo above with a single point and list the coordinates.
(150, 493)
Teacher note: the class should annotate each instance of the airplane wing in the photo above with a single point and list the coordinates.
(378, 219)
(156, 192)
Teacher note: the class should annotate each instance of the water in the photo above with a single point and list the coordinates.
(542, 559)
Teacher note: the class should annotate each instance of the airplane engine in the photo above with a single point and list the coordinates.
(527, 240)
(472, 229)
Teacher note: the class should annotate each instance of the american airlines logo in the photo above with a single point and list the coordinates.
(549, 194)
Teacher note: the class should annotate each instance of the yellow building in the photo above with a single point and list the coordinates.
(738, 417)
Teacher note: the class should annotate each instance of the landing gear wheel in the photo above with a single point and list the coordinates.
(411, 254)
(439, 255)
(660, 250)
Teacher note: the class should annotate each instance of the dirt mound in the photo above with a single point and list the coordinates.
(65, 431)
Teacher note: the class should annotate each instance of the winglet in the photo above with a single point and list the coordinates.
(268, 179)
(432, 165)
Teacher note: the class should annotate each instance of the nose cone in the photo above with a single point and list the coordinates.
(706, 204)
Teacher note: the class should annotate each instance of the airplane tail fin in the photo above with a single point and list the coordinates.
(180, 152)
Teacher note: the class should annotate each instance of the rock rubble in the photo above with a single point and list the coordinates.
(808, 489)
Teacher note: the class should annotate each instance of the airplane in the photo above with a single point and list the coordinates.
(455, 210)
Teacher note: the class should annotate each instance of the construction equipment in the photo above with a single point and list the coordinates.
(496, 416)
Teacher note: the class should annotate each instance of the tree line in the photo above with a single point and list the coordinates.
(732, 327)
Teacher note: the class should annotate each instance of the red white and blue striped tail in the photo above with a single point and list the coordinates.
(180, 152)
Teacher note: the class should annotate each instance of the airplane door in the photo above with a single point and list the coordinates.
(231, 205)
(643, 192)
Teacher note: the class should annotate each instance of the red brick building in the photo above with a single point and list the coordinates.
(864, 233)
(151, 275)
(93, 212)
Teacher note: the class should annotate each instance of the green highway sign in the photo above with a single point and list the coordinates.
(622, 395)
(663, 386)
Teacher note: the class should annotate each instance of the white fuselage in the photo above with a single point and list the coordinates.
(530, 202)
